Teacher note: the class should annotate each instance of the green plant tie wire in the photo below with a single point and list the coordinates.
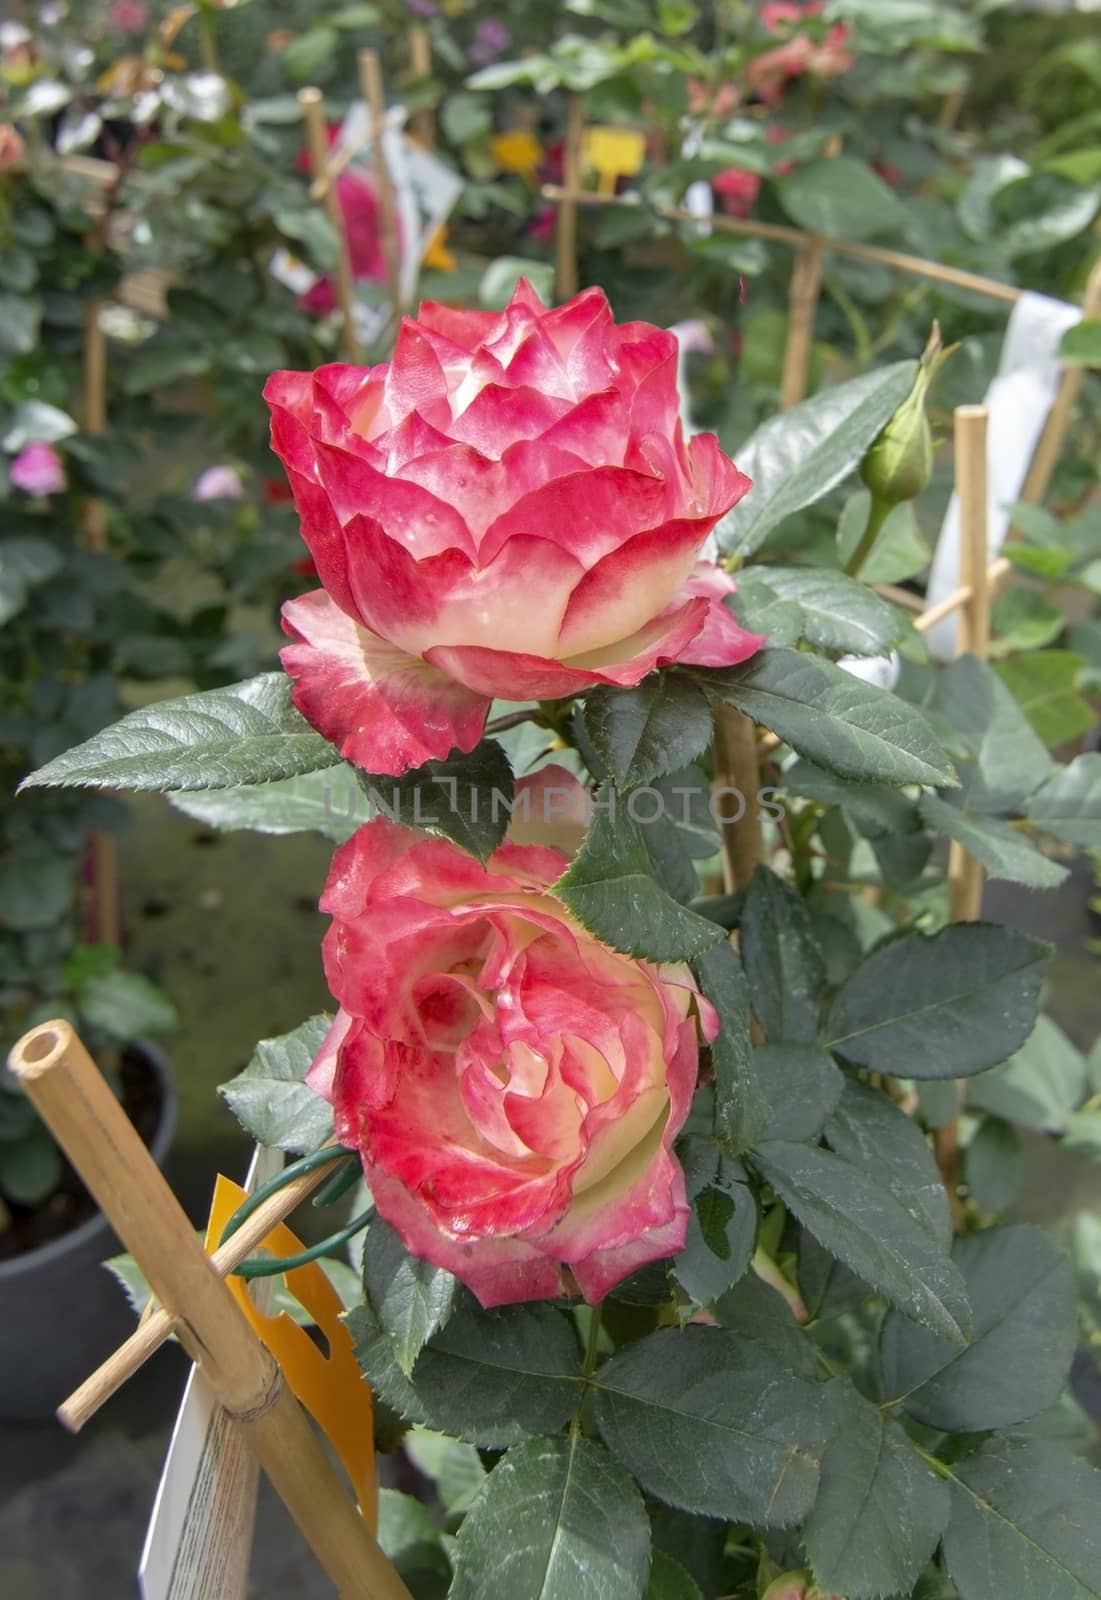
(275, 1266)
(336, 1187)
(297, 1169)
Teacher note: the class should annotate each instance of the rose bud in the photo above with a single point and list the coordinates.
(899, 463)
(513, 1086)
(507, 509)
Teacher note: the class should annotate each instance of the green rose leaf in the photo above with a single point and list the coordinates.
(824, 713)
(722, 1226)
(741, 1106)
(993, 1165)
(1040, 1085)
(1005, 761)
(411, 1298)
(643, 733)
(270, 1098)
(610, 889)
(713, 1423)
(329, 802)
(880, 1511)
(670, 1581)
(868, 1129)
(852, 1217)
(466, 798)
(1022, 1294)
(24, 563)
(841, 198)
(410, 1539)
(798, 456)
(248, 733)
(555, 1519)
(783, 965)
(490, 1377)
(838, 614)
(1081, 345)
(1043, 684)
(1004, 851)
(944, 1006)
(1024, 1522)
(1068, 803)
(802, 1085)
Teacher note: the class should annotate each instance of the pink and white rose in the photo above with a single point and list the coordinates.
(506, 509)
(514, 1086)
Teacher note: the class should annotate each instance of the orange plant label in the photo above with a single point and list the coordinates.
(331, 1387)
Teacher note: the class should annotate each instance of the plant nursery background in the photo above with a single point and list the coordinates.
(811, 196)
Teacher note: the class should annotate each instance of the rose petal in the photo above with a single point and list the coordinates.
(722, 641)
(384, 710)
(499, 1272)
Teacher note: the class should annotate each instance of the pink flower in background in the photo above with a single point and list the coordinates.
(708, 100)
(737, 190)
(422, 8)
(542, 225)
(779, 16)
(127, 16)
(359, 208)
(491, 40)
(12, 148)
(37, 470)
(507, 508)
(513, 1086)
(218, 483)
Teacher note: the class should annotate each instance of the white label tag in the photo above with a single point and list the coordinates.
(199, 1539)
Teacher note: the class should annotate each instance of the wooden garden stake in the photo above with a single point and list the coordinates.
(565, 232)
(803, 295)
(965, 876)
(1050, 447)
(964, 872)
(317, 143)
(370, 79)
(420, 60)
(106, 920)
(76, 1103)
(736, 769)
(779, 233)
(159, 1324)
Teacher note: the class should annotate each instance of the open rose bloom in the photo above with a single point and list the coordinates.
(507, 509)
(513, 1085)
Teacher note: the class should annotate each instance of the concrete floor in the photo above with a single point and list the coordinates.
(228, 923)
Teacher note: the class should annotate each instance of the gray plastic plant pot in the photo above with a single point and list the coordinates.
(61, 1311)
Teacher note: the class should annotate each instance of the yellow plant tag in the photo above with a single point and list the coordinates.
(332, 1388)
(518, 151)
(438, 256)
(613, 153)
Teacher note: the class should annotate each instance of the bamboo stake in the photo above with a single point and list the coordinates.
(569, 197)
(750, 228)
(964, 872)
(317, 143)
(420, 60)
(803, 294)
(106, 919)
(160, 1324)
(1050, 446)
(75, 1102)
(996, 572)
(736, 769)
(370, 81)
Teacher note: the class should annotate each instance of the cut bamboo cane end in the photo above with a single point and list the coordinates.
(40, 1049)
(309, 97)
